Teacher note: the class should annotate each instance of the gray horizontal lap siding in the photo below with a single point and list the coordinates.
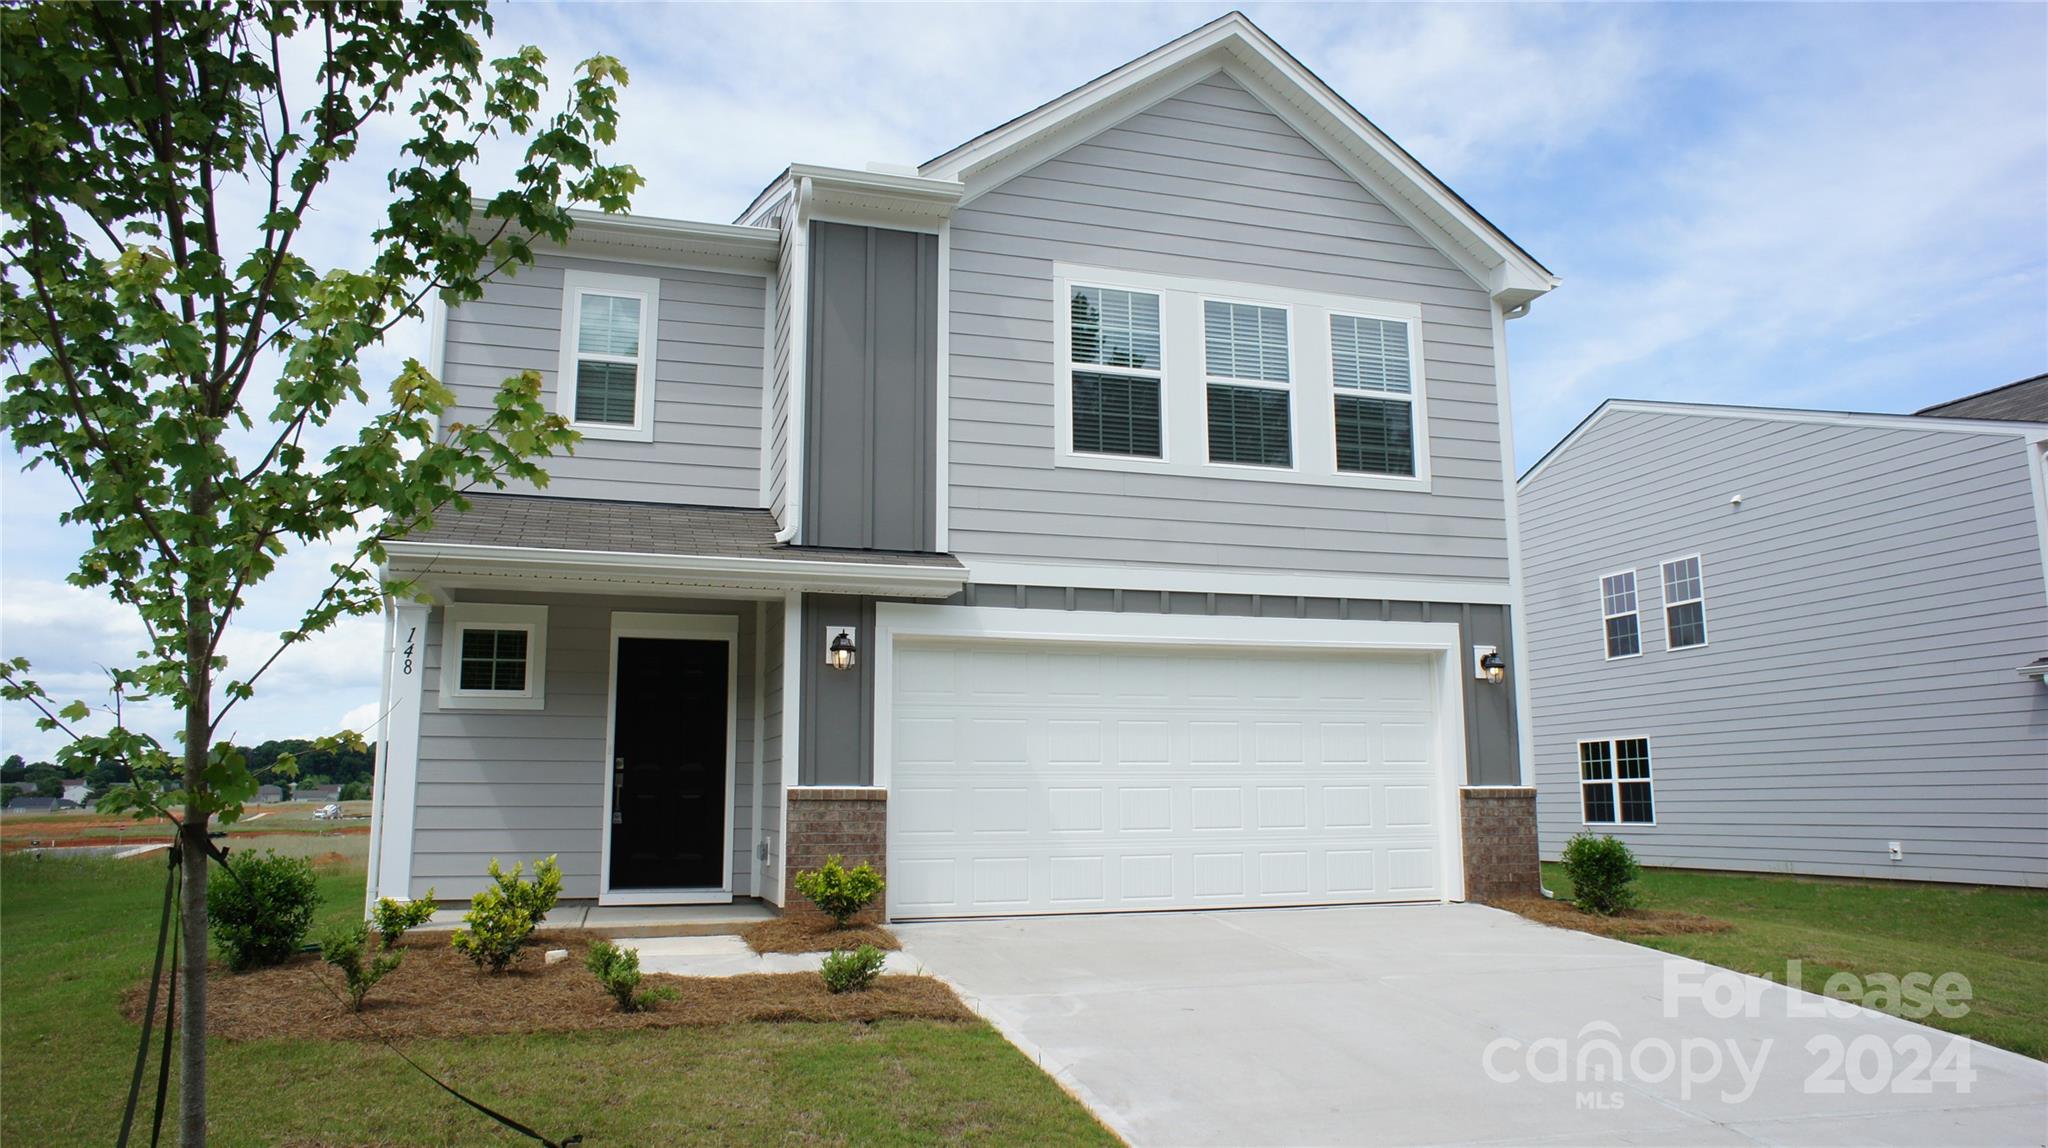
(1866, 607)
(778, 405)
(518, 785)
(771, 743)
(1206, 184)
(708, 377)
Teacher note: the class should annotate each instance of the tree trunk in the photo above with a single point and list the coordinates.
(192, 992)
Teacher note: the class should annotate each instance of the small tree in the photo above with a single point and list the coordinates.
(177, 358)
(1602, 872)
(344, 947)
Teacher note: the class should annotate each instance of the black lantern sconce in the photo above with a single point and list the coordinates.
(840, 650)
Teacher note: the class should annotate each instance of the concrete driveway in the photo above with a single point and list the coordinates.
(1455, 1024)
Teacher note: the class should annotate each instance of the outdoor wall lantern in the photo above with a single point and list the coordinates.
(1487, 664)
(840, 651)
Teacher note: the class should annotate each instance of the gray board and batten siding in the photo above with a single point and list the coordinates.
(707, 375)
(872, 359)
(1207, 184)
(521, 785)
(838, 717)
(1867, 604)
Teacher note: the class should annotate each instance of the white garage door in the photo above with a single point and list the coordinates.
(1032, 777)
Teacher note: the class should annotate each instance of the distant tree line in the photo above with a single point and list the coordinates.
(352, 769)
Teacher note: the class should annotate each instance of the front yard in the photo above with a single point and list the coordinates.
(79, 933)
(1998, 938)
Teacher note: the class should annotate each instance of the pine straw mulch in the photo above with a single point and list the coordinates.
(1628, 923)
(815, 935)
(437, 992)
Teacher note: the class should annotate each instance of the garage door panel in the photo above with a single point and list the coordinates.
(1091, 779)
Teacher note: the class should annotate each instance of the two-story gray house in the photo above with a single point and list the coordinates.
(1796, 641)
(1115, 512)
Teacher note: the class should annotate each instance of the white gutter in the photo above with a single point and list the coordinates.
(798, 249)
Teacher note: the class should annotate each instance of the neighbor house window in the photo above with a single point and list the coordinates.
(1618, 612)
(1614, 782)
(608, 338)
(1115, 368)
(494, 656)
(1372, 375)
(1246, 361)
(1685, 604)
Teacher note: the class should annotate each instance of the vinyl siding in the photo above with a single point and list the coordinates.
(1206, 184)
(708, 377)
(1867, 605)
(520, 785)
(776, 443)
(772, 785)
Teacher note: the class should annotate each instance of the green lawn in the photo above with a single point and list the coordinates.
(1998, 938)
(76, 932)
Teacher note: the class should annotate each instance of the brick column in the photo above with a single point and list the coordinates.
(1501, 859)
(851, 824)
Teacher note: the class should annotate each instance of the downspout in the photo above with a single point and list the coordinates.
(378, 786)
(797, 249)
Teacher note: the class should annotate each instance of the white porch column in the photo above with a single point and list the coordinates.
(398, 765)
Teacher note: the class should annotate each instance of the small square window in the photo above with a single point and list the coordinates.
(493, 657)
(493, 661)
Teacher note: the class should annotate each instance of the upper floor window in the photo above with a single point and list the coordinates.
(1375, 400)
(1618, 613)
(1114, 367)
(1685, 604)
(1614, 782)
(609, 326)
(1246, 365)
(1184, 376)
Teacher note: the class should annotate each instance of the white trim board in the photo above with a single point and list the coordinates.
(1266, 583)
(532, 620)
(399, 767)
(1440, 640)
(697, 627)
(766, 573)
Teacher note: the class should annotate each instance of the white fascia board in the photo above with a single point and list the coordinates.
(1189, 580)
(763, 573)
(2031, 432)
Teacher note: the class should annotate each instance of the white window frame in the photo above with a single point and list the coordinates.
(1418, 403)
(1635, 586)
(1183, 398)
(1614, 778)
(1288, 388)
(463, 616)
(1064, 400)
(1664, 588)
(576, 285)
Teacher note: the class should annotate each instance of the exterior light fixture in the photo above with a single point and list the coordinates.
(2037, 670)
(840, 651)
(1488, 666)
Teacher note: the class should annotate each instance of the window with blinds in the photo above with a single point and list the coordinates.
(1249, 380)
(1372, 375)
(608, 338)
(1115, 369)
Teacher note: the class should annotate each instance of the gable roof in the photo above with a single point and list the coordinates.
(1233, 44)
(2026, 400)
(2025, 430)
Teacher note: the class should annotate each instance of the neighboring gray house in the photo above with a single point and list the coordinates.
(1795, 641)
(1112, 513)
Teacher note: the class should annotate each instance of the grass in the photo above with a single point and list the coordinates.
(79, 931)
(1998, 938)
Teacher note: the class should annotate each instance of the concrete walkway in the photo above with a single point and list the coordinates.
(1455, 1024)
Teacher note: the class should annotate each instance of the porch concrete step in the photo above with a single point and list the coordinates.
(636, 920)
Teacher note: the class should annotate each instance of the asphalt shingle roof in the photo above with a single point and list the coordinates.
(2024, 401)
(546, 522)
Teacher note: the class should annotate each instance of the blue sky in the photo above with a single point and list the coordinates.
(1822, 205)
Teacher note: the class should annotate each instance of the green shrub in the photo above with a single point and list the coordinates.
(1601, 871)
(618, 970)
(261, 908)
(852, 970)
(343, 947)
(501, 917)
(395, 917)
(839, 892)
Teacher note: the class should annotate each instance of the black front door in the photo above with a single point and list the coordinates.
(668, 765)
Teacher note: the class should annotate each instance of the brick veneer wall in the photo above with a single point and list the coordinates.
(851, 824)
(1501, 859)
